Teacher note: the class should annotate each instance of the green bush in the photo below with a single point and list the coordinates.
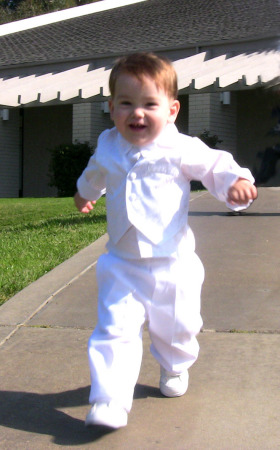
(66, 165)
(12, 10)
(210, 140)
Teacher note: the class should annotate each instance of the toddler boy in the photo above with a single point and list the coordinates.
(151, 272)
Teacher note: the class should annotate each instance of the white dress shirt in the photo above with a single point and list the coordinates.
(148, 189)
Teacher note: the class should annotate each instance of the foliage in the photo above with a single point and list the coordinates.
(38, 234)
(210, 140)
(66, 165)
(11, 10)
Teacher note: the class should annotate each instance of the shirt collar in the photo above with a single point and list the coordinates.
(165, 139)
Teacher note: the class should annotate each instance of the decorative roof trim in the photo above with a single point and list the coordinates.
(196, 74)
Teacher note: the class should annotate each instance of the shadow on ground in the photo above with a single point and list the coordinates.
(40, 414)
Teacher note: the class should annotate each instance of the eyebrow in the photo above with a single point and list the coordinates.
(122, 96)
(127, 96)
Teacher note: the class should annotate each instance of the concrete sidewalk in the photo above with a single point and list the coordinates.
(234, 394)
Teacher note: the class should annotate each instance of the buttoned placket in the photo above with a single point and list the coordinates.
(133, 157)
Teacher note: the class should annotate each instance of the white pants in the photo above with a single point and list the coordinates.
(162, 291)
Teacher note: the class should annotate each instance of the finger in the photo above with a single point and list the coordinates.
(232, 196)
(84, 210)
(254, 192)
(239, 197)
(250, 193)
(89, 206)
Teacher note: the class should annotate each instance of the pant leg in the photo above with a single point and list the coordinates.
(115, 347)
(174, 315)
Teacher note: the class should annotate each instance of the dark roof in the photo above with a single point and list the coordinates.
(151, 25)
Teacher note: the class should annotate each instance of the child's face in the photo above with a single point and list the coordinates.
(140, 110)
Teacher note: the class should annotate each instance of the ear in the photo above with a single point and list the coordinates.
(173, 111)
(111, 108)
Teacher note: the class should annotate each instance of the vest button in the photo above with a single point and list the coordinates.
(133, 176)
(132, 197)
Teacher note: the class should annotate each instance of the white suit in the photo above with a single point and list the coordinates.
(151, 271)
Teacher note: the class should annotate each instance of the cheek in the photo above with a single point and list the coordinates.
(120, 113)
(117, 116)
(160, 120)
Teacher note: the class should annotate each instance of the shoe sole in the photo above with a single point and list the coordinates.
(102, 417)
(169, 393)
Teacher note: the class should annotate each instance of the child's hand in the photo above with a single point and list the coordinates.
(242, 192)
(83, 205)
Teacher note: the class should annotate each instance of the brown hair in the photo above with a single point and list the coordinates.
(149, 65)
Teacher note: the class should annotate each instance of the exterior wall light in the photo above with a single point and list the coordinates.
(4, 114)
(105, 107)
(225, 98)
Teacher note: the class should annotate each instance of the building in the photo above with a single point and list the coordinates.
(54, 72)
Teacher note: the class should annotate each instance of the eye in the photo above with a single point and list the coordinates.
(152, 104)
(125, 103)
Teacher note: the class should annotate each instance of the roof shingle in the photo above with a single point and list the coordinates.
(151, 25)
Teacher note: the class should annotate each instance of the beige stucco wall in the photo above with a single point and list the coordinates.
(223, 122)
(199, 113)
(44, 128)
(88, 122)
(207, 112)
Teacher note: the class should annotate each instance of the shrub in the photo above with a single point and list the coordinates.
(210, 140)
(66, 165)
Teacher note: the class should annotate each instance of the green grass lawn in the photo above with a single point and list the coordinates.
(38, 234)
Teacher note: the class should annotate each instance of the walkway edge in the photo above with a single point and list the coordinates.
(24, 305)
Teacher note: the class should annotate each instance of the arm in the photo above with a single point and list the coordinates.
(220, 174)
(91, 185)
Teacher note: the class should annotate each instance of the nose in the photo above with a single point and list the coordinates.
(138, 112)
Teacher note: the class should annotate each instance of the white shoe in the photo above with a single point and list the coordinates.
(173, 385)
(107, 414)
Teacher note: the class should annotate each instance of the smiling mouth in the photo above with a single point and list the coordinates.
(137, 127)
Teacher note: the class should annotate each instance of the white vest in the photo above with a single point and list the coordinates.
(150, 193)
